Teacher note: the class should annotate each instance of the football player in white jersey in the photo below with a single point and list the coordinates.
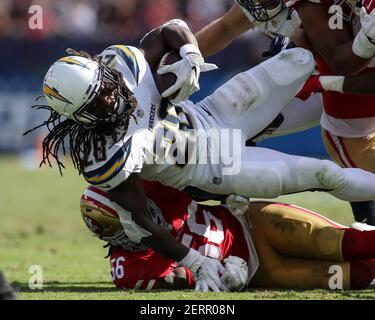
(120, 130)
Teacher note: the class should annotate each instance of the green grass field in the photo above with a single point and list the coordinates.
(41, 225)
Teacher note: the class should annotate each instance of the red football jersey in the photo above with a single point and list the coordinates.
(345, 106)
(213, 231)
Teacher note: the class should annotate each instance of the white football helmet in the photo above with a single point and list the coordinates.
(73, 83)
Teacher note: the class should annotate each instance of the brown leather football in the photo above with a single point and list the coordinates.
(164, 81)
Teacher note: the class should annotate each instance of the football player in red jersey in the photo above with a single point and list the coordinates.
(348, 119)
(263, 244)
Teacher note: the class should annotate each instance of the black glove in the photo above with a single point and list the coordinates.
(278, 44)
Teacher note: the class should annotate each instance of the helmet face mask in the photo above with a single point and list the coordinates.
(350, 8)
(105, 105)
(263, 11)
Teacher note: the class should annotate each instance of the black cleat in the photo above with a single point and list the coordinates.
(6, 290)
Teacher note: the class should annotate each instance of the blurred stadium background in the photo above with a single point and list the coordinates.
(40, 219)
(91, 26)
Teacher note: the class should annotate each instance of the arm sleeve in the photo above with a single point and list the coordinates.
(139, 270)
(121, 162)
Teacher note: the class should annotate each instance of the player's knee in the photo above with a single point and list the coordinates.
(300, 60)
(330, 175)
(300, 56)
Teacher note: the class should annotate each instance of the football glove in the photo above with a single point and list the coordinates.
(236, 273)
(187, 71)
(278, 44)
(364, 42)
(206, 271)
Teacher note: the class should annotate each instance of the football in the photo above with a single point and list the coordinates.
(164, 81)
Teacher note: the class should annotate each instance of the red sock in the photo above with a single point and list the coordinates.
(361, 274)
(358, 245)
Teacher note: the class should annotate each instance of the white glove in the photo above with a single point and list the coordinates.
(236, 273)
(187, 71)
(206, 271)
(364, 42)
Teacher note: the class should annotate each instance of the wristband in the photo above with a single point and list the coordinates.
(332, 83)
(192, 260)
(189, 48)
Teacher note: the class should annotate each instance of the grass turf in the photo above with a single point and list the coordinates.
(41, 225)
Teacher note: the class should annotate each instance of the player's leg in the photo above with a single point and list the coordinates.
(297, 232)
(354, 153)
(281, 265)
(300, 273)
(295, 118)
(252, 100)
(265, 173)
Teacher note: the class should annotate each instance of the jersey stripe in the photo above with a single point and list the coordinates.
(129, 57)
(111, 168)
(150, 284)
(138, 284)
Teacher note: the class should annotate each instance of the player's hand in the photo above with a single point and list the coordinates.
(206, 271)
(236, 273)
(364, 42)
(368, 24)
(278, 44)
(187, 71)
(208, 276)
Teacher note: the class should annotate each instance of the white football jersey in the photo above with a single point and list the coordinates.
(149, 138)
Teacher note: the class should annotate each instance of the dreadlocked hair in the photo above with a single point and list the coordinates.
(82, 137)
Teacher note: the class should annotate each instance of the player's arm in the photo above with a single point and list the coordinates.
(360, 84)
(168, 37)
(220, 33)
(175, 35)
(334, 45)
(130, 195)
(178, 278)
